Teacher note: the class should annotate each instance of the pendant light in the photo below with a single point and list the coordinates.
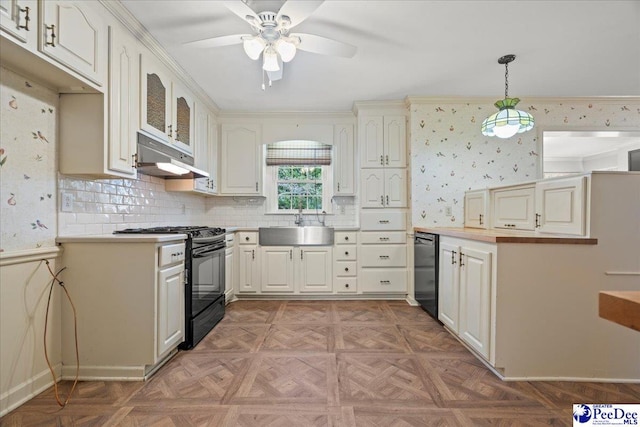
(508, 121)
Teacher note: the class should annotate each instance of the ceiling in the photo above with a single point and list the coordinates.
(411, 48)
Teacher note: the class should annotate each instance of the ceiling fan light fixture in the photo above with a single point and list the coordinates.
(286, 47)
(508, 121)
(270, 60)
(253, 46)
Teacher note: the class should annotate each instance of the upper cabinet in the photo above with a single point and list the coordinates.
(19, 18)
(241, 169)
(74, 34)
(167, 110)
(344, 157)
(98, 131)
(384, 188)
(476, 208)
(383, 141)
(123, 100)
(514, 208)
(560, 206)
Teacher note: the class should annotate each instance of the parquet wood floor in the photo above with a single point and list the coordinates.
(322, 363)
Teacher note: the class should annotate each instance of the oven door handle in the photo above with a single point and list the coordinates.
(201, 253)
(208, 239)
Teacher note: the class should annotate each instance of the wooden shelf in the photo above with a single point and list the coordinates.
(621, 307)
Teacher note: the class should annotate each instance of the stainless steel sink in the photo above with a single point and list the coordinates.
(295, 236)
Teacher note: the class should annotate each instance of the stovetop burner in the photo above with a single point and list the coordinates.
(191, 230)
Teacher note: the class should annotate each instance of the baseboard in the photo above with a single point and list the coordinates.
(27, 390)
(104, 373)
(316, 297)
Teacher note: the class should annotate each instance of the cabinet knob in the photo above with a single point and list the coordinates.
(346, 238)
(346, 269)
(346, 253)
(346, 285)
(246, 238)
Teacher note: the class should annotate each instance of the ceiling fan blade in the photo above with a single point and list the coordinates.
(298, 11)
(241, 9)
(324, 46)
(217, 41)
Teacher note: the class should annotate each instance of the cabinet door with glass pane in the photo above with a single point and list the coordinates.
(183, 119)
(155, 99)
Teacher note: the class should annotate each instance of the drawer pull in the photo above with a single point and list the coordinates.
(384, 239)
(385, 282)
(384, 221)
(384, 257)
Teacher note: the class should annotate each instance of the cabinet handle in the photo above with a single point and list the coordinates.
(461, 259)
(301, 254)
(387, 200)
(387, 157)
(382, 200)
(256, 186)
(169, 130)
(290, 253)
(253, 254)
(381, 160)
(385, 282)
(453, 257)
(338, 186)
(384, 257)
(538, 220)
(480, 215)
(26, 11)
(52, 43)
(384, 239)
(384, 221)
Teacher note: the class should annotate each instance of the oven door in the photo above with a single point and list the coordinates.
(207, 276)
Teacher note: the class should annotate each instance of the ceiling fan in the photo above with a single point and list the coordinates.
(271, 37)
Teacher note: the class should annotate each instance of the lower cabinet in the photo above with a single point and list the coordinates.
(229, 268)
(287, 269)
(170, 308)
(129, 300)
(464, 297)
(248, 269)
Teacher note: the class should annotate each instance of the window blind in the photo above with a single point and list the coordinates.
(298, 153)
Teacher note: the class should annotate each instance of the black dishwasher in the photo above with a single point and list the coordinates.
(425, 247)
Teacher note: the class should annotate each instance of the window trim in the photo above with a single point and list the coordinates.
(271, 191)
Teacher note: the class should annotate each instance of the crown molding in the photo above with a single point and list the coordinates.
(413, 100)
(122, 14)
(287, 115)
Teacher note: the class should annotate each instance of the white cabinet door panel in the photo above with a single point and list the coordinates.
(395, 142)
(561, 206)
(170, 308)
(514, 208)
(448, 286)
(475, 302)
(277, 269)
(316, 270)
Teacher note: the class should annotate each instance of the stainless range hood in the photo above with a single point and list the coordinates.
(157, 159)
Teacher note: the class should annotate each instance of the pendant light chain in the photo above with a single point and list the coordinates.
(506, 80)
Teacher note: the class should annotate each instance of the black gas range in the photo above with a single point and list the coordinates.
(205, 277)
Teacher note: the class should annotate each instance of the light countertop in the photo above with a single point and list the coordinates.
(506, 236)
(122, 238)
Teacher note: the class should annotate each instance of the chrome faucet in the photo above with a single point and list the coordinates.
(299, 219)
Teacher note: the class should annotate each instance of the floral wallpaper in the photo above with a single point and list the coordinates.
(27, 163)
(449, 154)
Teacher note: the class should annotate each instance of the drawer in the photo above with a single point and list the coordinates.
(345, 268)
(381, 220)
(378, 280)
(247, 238)
(171, 254)
(345, 285)
(229, 238)
(345, 253)
(383, 256)
(367, 238)
(345, 237)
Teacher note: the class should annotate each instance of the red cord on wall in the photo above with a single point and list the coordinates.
(75, 326)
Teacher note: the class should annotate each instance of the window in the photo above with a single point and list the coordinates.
(299, 176)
